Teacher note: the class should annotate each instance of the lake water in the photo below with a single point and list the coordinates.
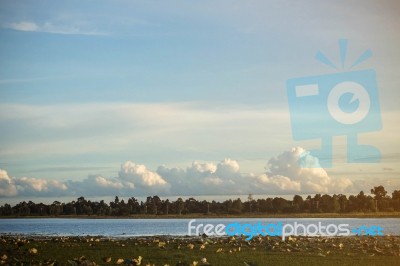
(150, 227)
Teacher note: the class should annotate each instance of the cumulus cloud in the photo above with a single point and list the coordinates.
(213, 181)
(201, 169)
(7, 187)
(287, 172)
(205, 178)
(227, 167)
(133, 179)
(97, 185)
(199, 178)
(139, 174)
(282, 183)
(29, 186)
(284, 175)
(39, 185)
(104, 182)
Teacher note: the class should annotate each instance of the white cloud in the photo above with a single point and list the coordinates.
(139, 174)
(31, 186)
(24, 26)
(282, 183)
(203, 167)
(132, 179)
(51, 27)
(7, 188)
(215, 181)
(314, 179)
(96, 185)
(341, 184)
(284, 175)
(205, 178)
(227, 166)
(104, 182)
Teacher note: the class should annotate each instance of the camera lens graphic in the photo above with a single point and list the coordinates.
(339, 109)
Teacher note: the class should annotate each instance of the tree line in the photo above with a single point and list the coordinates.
(377, 201)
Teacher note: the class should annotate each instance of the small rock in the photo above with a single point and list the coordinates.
(119, 261)
(33, 251)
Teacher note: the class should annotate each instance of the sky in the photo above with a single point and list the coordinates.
(137, 98)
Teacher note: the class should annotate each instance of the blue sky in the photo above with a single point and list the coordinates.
(192, 91)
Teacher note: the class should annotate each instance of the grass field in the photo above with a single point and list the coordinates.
(204, 251)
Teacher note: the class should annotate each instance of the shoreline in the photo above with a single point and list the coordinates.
(220, 216)
(201, 238)
(198, 238)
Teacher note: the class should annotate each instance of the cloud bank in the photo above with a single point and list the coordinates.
(283, 175)
(285, 172)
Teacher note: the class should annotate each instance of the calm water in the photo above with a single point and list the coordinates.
(149, 227)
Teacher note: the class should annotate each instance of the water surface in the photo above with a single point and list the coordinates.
(150, 227)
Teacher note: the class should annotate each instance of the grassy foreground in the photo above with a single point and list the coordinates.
(173, 251)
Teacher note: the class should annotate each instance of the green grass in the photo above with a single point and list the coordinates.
(314, 252)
